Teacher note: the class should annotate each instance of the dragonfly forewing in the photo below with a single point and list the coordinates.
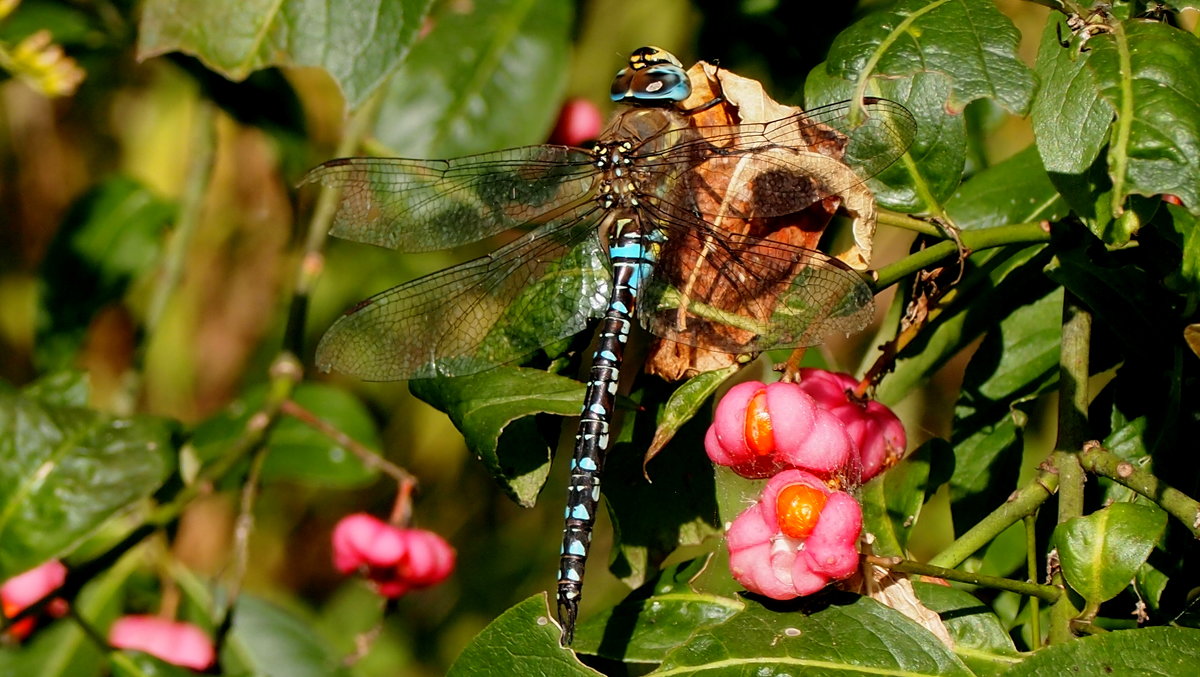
(493, 310)
(427, 205)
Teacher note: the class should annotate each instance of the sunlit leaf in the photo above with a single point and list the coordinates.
(65, 470)
(657, 617)
(358, 43)
(1149, 651)
(859, 636)
(502, 401)
(458, 93)
(1101, 552)
(969, 41)
(521, 641)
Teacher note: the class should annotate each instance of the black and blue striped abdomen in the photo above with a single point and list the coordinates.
(632, 257)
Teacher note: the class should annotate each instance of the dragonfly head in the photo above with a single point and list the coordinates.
(654, 77)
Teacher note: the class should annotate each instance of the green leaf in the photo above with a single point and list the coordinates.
(489, 75)
(1100, 553)
(934, 164)
(848, 636)
(112, 236)
(484, 406)
(656, 618)
(1070, 118)
(1017, 360)
(1146, 72)
(892, 501)
(971, 623)
(277, 643)
(522, 641)
(358, 44)
(65, 470)
(968, 41)
(1186, 228)
(981, 302)
(298, 452)
(1149, 651)
(684, 403)
(1017, 190)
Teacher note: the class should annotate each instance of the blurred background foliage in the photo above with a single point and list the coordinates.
(147, 239)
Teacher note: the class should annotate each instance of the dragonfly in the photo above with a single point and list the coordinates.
(602, 233)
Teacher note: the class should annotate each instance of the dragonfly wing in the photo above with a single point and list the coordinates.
(738, 293)
(779, 167)
(427, 205)
(544, 286)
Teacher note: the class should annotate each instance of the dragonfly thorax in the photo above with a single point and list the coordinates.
(620, 179)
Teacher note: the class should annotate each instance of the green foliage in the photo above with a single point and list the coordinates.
(142, 213)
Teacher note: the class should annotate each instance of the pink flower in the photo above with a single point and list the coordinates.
(876, 432)
(579, 121)
(796, 539)
(178, 643)
(396, 560)
(21, 591)
(761, 429)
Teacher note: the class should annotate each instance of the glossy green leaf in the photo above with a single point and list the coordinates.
(933, 167)
(111, 236)
(850, 636)
(489, 74)
(1145, 70)
(298, 452)
(684, 403)
(655, 618)
(1017, 190)
(1070, 118)
(1017, 360)
(982, 300)
(486, 405)
(1148, 651)
(278, 643)
(522, 641)
(358, 43)
(65, 470)
(1101, 552)
(971, 623)
(892, 502)
(1185, 228)
(969, 41)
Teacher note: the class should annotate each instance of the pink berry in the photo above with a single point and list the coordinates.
(395, 560)
(178, 643)
(27, 588)
(767, 561)
(579, 121)
(361, 540)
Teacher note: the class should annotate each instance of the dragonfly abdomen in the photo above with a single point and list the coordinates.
(632, 257)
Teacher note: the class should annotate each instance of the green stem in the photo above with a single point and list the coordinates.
(1098, 460)
(1073, 398)
(908, 223)
(974, 240)
(1031, 570)
(1025, 501)
(1046, 592)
